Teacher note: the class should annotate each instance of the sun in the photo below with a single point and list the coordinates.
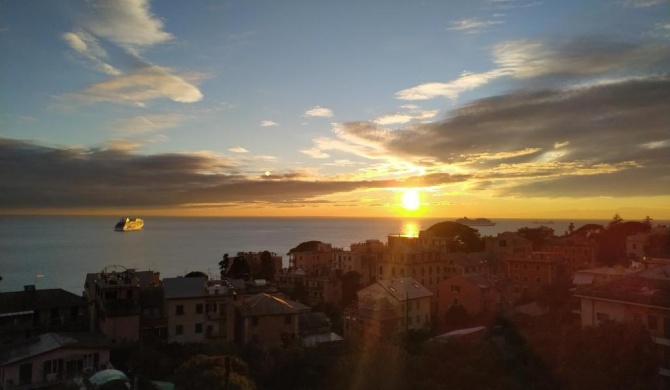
(411, 200)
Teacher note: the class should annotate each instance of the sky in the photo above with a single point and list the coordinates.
(376, 108)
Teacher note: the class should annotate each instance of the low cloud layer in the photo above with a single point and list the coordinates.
(36, 176)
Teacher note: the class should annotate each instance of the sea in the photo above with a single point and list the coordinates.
(58, 251)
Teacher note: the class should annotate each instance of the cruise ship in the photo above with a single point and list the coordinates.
(129, 224)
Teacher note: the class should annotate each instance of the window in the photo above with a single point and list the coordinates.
(198, 327)
(288, 320)
(179, 330)
(180, 310)
(198, 308)
(91, 360)
(652, 322)
(455, 288)
(602, 317)
(455, 301)
(417, 304)
(254, 339)
(254, 321)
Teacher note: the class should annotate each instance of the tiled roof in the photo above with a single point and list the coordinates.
(478, 279)
(403, 288)
(649, 287)
(264, 305)
(47, 342)
(19, 301)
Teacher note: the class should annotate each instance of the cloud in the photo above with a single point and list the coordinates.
(315, 153)
(318, 112)
(534, 59)
(400, 118)
(600, 130)
(127, 23)
(451, 90)
(86, 46)
(149, 123)
(267, 123)
(238, 149)
(83, 178)
(140, 86)
(472, 25)
(642, 3)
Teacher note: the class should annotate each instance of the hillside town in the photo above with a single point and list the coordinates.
(534, 308)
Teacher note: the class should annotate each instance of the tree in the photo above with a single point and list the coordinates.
(616, 220)
(306, 246)
(539, 236)
(267, 270)
(351, 283)
(648, 221)
(196, 274)
(203, 372)
(658, 245)
(462, 238)
(223, 265)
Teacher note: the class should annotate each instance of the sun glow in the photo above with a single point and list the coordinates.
(411, 200)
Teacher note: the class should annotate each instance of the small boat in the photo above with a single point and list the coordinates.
(475, 222)
(127, 224)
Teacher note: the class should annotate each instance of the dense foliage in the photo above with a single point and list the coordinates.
(461, 238)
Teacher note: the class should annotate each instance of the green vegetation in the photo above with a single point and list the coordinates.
(461, 238)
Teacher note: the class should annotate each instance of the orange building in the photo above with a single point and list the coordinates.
(320, 254)
(476, 293)
(527, 274)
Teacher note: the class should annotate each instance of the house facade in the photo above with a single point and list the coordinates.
(51, 359)
(268, 321)
(476, 293)
(198, 310)
(31, 312)
(642, 297)
(388, 307)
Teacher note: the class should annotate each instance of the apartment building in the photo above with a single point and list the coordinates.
(113, 298)
(387, 307)
(529, 273)
(267, 321)
(642, 297)
(198, 310)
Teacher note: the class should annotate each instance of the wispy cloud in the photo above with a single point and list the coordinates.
(527, 59)
(473, 25)
(238, 149)
(315, 153)
(451, 90)
(404, 117)
(86, 46)
(128, 23)
(150, 123)
(268, 123)
(140, 86)
(642, 3)
(318, 112)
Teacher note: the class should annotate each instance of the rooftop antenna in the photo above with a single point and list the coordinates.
(36, 277)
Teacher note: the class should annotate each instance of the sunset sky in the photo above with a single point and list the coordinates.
(494, 108)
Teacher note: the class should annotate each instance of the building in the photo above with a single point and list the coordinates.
(600, 275)
(287, 279)
(372, 252)
(508, 245)
(198, 310)
(267, 321)
(486, 264)
(50, 359)
(406, 257)
(323, 284)
(312, 254)
(574, 251)
(642, 297)
(388, 307)
(113, 299)
(31, 312)
(476, 293)
(528, 274)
